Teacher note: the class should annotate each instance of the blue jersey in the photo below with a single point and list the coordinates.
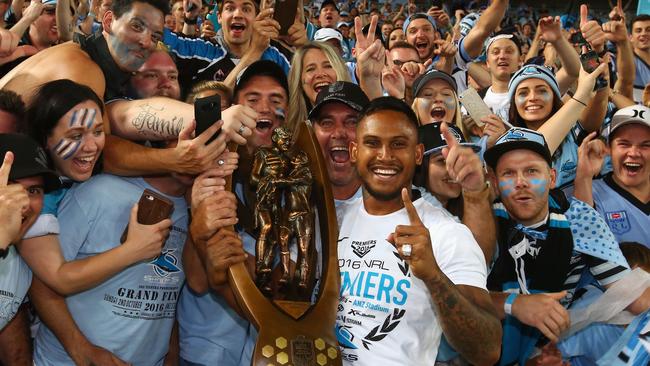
(626, 216)
(642, 78)
(565, 158)
(210, 331)
(131, 314)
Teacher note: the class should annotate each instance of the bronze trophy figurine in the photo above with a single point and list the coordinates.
(293, 208)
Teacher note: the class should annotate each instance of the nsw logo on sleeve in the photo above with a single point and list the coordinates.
(618, 221)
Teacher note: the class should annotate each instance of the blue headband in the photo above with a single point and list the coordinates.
(418, 16)
(533, 72)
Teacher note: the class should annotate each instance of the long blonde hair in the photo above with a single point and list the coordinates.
(299, 106)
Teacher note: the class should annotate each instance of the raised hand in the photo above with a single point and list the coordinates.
(393, 82)
(265, 28)
(463, 165)
(297, 33)
(494, 128)
(364, 41)
(213, 213)
(239, 122)
(422, 262)
(550, 29)
(192, 155)
(544, 312)
(591, 155)
(441, 17)
(207, 30)
(586, 81)
(223, 250)
(13, 202)
(445, 48)
(212, 180)
(615, 31)
(191, 8)
(591, 30)
(145, 241)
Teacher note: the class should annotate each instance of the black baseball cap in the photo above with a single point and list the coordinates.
(344, 92)
(432, 74)
(29, 160)
(328, 2)
(518, 138)
(261, 68)
(431, 137)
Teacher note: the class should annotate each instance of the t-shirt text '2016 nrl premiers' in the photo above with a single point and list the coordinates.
(386, 315)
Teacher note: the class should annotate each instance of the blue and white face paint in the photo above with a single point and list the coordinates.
(77, 140)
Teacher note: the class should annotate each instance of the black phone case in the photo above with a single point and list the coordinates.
(207, 111)
(285, 14)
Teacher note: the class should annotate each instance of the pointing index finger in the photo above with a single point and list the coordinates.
(449, 137)
(414, 218)
(6, 168)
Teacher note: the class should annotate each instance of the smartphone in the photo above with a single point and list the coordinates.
(475, 105)
(577, 39)
(285, 14)
(207, 111)
(590, 61)
(152, 209)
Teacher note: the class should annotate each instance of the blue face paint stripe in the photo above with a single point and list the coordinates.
(63, 146)
(91, 119)
(58, 145)
(73, 118)
(538, 185)
(82, 120)
(73, 149)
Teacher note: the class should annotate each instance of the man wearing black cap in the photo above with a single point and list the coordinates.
(538, 230)
(329, 15)
(215, 333)
(24, 178)
(334, 118)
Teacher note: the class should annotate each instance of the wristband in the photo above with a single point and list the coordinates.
(507, 306)
(576, 99)
(190, 21)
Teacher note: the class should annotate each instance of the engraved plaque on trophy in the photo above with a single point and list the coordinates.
(292, 299)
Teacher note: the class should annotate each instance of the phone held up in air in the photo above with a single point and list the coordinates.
(207, 111)
(285, 14)
(590, 61)
(475, 105)
(152, 209)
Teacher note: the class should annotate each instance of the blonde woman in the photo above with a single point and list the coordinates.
(314, 66)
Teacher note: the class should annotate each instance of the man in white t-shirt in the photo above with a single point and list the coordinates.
(403, 286)
(503, 51)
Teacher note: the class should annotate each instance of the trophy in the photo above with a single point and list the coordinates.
(292, 303)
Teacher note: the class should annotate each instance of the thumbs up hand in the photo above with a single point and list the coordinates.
(591, 30)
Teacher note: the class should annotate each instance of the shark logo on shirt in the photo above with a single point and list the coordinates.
(166, 263)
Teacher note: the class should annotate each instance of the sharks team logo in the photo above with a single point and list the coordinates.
(166, 263)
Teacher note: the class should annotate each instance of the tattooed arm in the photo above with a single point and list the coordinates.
(156, 118)
(464, 312)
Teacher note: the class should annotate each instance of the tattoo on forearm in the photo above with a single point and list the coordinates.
(473, 331)
(149, 124)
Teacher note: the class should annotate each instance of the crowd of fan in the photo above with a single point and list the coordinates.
(517, 235)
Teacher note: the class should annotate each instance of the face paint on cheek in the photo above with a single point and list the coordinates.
(450, 103)
(66, 148)
(279, 112)
(538, 186)
(90, 119)
(424, 109)
(545, 96)
(520, 100)
(506, 187)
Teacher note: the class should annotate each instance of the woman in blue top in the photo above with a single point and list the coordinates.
(65, 118)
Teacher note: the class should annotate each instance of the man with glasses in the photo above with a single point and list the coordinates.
(539, 230)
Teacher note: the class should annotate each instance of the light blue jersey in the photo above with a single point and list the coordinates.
(210, 331)
(642, 78)
(627, 217)
(131, 314)
(15, 279)
(565, 158)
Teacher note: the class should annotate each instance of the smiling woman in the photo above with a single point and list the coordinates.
(314, 66)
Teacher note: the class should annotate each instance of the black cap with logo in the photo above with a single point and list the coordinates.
(344, 92)
(29, 160)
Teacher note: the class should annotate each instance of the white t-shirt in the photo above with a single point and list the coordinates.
(498, 103)
(386, 316)
(15, 279)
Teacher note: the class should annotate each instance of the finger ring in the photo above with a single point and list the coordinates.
(241, 129)
(221, 162)
(406, 250)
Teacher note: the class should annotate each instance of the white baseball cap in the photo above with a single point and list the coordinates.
(324, 34)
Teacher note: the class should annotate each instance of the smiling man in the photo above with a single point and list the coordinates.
(334, 118)
(24, 178)
(538, 229)
(640, 39)
(402, 285)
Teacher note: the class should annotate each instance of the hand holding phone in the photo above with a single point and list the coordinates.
(207, 111)
(147, 228)
(590, 61)
(285, 14)
(476, 107)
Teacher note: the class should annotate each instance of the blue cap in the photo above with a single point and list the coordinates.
(419, 16)
(49, 2)
(532, 71)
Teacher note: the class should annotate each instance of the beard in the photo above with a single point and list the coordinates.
(385, 197)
